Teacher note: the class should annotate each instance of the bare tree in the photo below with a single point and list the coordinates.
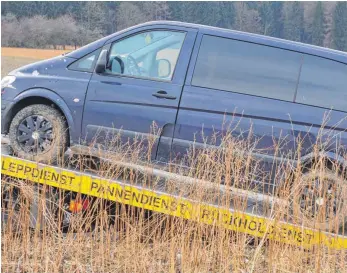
(247, 19)
(129, 14)
(40, 32)
(85, 35)
(34, 31)
(10, 35)
(329, 8)
(156, 10)
(62, 31)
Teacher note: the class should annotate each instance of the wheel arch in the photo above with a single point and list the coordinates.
(41, 96)
(330, 159)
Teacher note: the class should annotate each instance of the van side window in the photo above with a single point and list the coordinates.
(247, 68)
(151, 55)
(86, 63)
(323, 83)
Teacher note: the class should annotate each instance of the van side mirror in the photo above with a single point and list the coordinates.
(115, 65)
(164, 68)
(100, 66)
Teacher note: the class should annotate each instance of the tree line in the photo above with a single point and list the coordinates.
(50, 24)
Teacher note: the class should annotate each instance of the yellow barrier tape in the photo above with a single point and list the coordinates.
(168, 204)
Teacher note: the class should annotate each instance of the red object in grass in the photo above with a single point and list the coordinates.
(78, 206)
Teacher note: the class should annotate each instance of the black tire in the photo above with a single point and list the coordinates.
(321, 200)
(42, 152)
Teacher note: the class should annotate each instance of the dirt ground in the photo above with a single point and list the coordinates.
(12, 58)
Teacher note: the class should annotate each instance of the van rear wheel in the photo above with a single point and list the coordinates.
(39, 133)
(321, 201)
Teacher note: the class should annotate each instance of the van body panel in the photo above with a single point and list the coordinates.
(271, 122)
(272, 127)
(124, 107)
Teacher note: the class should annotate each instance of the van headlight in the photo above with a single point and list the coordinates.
(7, 81)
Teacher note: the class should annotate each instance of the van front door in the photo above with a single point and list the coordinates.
(136, 101)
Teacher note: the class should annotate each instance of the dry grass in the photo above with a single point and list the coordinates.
(125, 239)
(31, 52)
(12, 58)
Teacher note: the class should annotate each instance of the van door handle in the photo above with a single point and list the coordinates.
(163, 95)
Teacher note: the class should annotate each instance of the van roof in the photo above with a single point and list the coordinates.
(332, 54)
(327, 53)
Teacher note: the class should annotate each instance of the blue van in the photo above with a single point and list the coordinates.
(187, 79)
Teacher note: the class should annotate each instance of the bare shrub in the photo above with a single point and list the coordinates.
(42, 32)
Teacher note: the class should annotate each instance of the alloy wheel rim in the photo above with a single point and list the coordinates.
(35, 134)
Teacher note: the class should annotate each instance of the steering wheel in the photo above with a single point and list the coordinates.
(132, 66)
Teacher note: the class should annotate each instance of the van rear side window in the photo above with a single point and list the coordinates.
(323, 83)
(247, 68)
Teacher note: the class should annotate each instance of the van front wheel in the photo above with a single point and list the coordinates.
(39, 133)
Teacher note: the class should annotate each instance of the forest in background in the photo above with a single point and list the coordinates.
(57, 24)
